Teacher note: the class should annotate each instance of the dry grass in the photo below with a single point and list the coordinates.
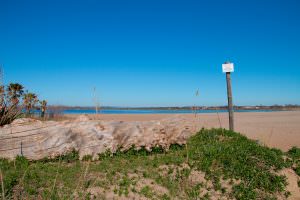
(2, 185)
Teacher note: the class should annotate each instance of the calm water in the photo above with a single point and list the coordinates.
(153, 111)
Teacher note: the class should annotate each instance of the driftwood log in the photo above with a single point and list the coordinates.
(36, 139)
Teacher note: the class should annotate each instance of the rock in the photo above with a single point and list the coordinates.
(36, 140)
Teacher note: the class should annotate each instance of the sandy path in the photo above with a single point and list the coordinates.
(275, 129)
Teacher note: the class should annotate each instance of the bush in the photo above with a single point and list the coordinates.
(218, 151)
(8, 114)
(294, 153)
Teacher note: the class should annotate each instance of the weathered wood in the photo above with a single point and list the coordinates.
(230, 104)
(38, 139)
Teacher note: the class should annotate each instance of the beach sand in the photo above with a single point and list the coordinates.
(274, 129)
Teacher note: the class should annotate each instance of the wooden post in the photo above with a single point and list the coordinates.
(21, 148)
(230, 105)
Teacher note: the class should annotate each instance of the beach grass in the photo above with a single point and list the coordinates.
(214, 163)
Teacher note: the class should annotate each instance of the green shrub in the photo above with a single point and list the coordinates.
(8, 114)
(294, 153)
(228, 153)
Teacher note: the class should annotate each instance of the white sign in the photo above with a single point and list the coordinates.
(228, 67)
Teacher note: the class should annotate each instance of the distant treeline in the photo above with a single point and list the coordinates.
(259, 107)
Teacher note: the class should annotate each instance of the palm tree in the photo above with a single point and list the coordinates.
(43, 108)
(15, 91)
(30, 99)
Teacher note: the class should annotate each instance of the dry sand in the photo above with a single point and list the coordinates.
(274, 129)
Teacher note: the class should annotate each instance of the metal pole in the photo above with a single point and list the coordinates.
(230, 105)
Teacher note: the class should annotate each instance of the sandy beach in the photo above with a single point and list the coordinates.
(274, 129)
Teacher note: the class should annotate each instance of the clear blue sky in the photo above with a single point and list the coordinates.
(152, 52)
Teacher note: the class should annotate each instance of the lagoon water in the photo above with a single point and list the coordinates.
(132, 111)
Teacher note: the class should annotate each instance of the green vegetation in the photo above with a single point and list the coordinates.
(43, 108)
(214, 163)
(11, 104)
(14, 92)
(30, 100)
(294, 154)
(8, 113)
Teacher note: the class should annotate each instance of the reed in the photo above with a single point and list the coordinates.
(56, 176)
(82, 178)
(219, 119)
(2, 185)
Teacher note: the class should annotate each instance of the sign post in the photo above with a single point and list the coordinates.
(228, 68)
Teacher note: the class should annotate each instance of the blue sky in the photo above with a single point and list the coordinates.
(152, 52)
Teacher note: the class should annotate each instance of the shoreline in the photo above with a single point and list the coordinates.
(173, 113)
